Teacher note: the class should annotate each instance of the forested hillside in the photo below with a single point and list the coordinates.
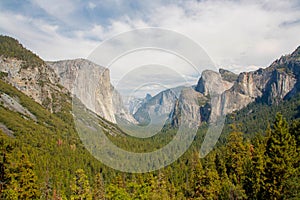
(42, 157)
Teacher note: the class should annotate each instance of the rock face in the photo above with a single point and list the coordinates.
(91, 84)
(38, 82)
(224, 92)
(190, 105)
(211, 83)
(216, 94)
(270, 85)
(12, 104)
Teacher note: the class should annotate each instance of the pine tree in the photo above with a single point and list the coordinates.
(117, 190)
(196, 176)
(139, 187)
(162, 186)
(116, 193)
(80, 186)
(99, 190)
(21, 181)
(280, 157)
(211, 180)
(295, 131)
(158, 187)
(237, 155)
(255, 169)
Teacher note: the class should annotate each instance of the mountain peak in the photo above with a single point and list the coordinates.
(296, 53)
(228, 75)
(148, 96)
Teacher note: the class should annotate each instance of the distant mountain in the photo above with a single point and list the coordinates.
(231, 92)
(48, 82)
(134, 103)
(42, 154)
(271, 85)
(159, 106)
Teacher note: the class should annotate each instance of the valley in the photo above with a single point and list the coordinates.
(44, 157)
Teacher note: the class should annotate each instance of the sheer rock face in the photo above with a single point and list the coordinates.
(270, 85)
(212, 83)
(220, 93)
(91, 84)
(226, 92)
(40, 83)
(189, 107)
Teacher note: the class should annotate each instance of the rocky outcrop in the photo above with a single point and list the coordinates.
(190, 106)
(37, 82)
(91, 84)
(211, 83)
(228, 75)
(227, 92)
(216, 94)
(270, 85)
(12, 104)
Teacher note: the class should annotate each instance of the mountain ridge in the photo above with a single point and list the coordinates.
(44, 80)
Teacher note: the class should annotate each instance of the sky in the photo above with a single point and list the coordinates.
(237, 35)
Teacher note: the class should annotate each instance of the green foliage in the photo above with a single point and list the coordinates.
(10, 47)
(3, 74)
(17, 175)
(51, 143)
(80, 186)
(240, 167)
(256, 116)
(98, 189)
(280, 156)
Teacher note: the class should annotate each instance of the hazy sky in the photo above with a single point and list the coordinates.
(237, 35)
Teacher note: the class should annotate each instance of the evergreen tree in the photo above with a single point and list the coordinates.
(196, 176)
(158, 187)
(162, 186)
(139, 187)
(255, 169)
(210, 181)
(80, 186)
(99, 190)
(20, 181)
(280, 156)
(237, 154)
(117, 190)
(295, 131)
(116, 193)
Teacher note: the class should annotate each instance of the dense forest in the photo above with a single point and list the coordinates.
(257, 156)
(45, 160)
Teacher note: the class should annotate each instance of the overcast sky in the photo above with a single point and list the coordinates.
(237, 35)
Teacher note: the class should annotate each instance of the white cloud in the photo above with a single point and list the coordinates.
(240, 35)
(91, 5)
(43, 39)
(232, 33)
(61, 9)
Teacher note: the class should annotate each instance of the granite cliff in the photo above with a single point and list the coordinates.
(91, 84)
(270, 85)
